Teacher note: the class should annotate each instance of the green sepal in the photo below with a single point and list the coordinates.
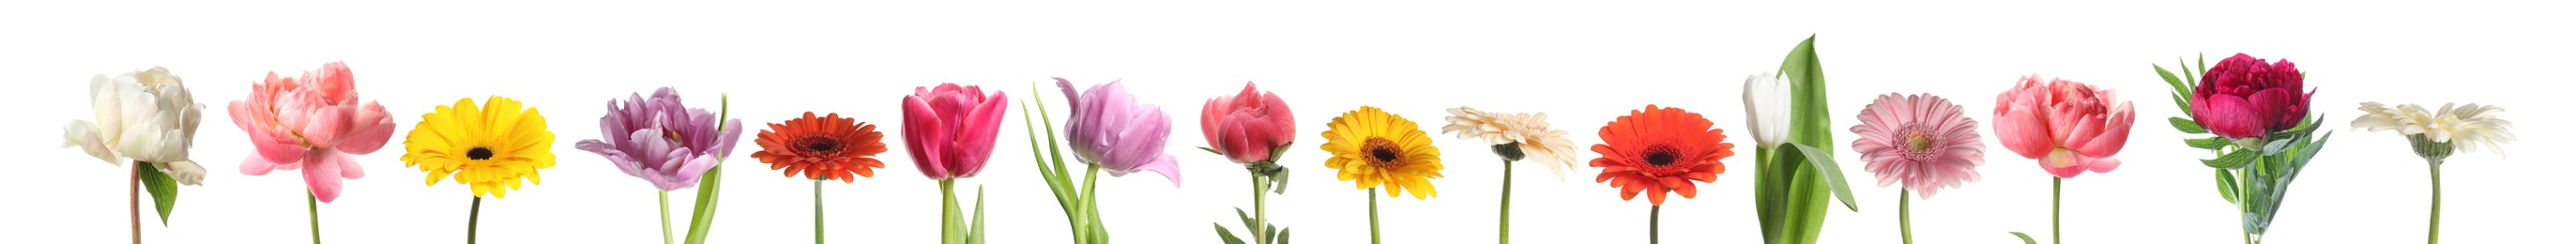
(165, 191)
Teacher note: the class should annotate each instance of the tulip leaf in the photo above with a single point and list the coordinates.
(975, 235)
(2211, 143)
(1824, 166)
(2025, 238)
(1810, 121)
(2186, 125)
(2231, 160)
(1226, 235)
(165, 191)
(2226, 185)
(702, 217)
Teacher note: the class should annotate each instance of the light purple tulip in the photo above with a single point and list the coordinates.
(1110, 129)
(660, 141)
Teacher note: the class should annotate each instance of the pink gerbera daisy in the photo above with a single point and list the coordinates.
(1923, 141)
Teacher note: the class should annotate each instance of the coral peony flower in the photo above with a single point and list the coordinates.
(661, 141)
(1111, 129)
(2242, 97)
(1920, 140)
(1766, 109)
(313, 123)
(1515, 135)
(491, 148)
(830, 147)
(1376, 149)
(1247, 125)
(145, 116)
(949, 129)
(2069, 127)
(1660, 150)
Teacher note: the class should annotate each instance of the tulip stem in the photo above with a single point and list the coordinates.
(1260, 208)
(313, 212)
(2434, 234)
(1654, 224)
(2056, 191)
(1904, 213)
(134, 200)
(1083, 213)
(1372, 196)
(1506, 237)
(473, 215)
(818, 211)
(666, 216)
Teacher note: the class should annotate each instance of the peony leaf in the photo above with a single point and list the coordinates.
(1209, 150)
(165, 191)
(2186, 125)
(1282, 238)
(2025, 238)
(2231, 160)
(2226, 185)
(1824, 166)
(1248, 222)
(2212, 143)
(1226, 235)
(2180, 89)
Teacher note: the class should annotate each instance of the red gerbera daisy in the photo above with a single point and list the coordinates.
(824, 148)
(1660, 149)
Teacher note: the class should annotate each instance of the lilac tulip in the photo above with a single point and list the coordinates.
(1109, 128)
(660, 141)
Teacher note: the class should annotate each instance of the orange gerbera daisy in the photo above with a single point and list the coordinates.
(1660, 149)
(824, 148)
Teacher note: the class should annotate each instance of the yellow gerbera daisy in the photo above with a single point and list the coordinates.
(488, 148)
(1377, 149)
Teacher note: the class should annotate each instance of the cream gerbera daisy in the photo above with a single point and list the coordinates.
(1515, 136)
(2476, 125)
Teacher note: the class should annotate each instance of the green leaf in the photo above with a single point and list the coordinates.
(2226, 185)
(702, 217)
(1248, 223)
(1226, 235)
(2170, 80)
(165, 191)
(2211, 143)
(2186, 125)
(1810, 120)
(1055, 185)
(2025, 238)
(2232, 159)
(1209, 150)
(1825, 167)
(976, 234)
(2309, 151)
(1282, 238)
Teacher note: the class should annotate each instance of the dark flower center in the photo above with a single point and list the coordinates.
(479, 153)
(1382, 153)
(1661, 155)
(819, 145)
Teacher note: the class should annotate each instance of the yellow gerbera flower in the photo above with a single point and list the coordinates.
(488, 148)
(1378, 149)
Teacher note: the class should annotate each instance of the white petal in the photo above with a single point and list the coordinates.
(85, 135)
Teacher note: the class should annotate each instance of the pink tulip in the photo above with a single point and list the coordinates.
(2070, 127)
(312, 123)
(949, 130)
(1110, 128)
(1247, 125)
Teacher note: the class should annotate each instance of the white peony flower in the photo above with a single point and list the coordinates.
(145, 116)
(1536, 141)
(1766, 109)
(2473, 124)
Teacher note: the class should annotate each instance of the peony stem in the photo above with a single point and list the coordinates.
(818, 211)
(1904, 213)
(313, 212)
(473, 215)
(666, 216)
(1654, 224)
(2056, 191)
(1372, 196)
(1260, 208)
(134, 200)
(1506, 237)
(2434, 234)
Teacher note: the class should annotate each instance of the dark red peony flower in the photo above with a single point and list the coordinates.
(2242, 97)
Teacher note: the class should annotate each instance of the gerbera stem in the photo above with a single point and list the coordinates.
(1372, 196)
(1904, 215)
(313, 212)
(666, 216)
(473, 215)
(2056, 191)
(1506, 237)
(2434, 234)
(818, 211)
(1655, 225)
(134, 200)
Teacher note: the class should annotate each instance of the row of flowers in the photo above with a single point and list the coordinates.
(2254, 111)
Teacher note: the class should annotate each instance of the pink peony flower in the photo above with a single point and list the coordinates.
(1246, 126)
(2070, 127)
(311, 123)
(949, 130)
(1110, 128)
(1920, 140)
(2242, 97)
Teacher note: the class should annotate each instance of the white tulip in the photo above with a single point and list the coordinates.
(1766, 109)
(144, 116)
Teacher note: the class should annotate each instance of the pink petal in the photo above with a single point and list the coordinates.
(257, 165)
(2228, 116)
(370, 128)
(349, 167)
(2115, 133)
(324, 127)
(924, 139)
(2102, 165)
(2022, 130)
(322, 177)
(2062, 163)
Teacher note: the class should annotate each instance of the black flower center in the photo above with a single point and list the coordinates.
(1382, 152)
(819, 145)
(479, 153)
(1661, 155)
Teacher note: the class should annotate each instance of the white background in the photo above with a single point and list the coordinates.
(1584, 64)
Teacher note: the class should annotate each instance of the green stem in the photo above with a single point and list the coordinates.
(948, 226)
(1654, 224)
(1083, 212)
(472, 216)
(1904, 211)
(1260, 208)
(2056, 191)
(1372, 196)
(818, 211)
(313, 212)
(1506, 237)
(2244, 196)
(2434, 234)
(666, 216)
